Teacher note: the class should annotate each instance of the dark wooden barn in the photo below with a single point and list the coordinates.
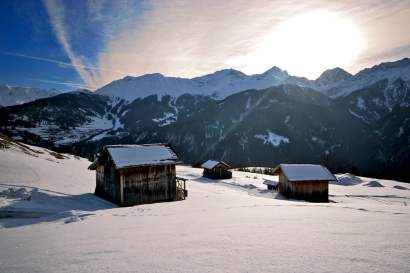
(304, 181)
(136, 174)
(216, 170)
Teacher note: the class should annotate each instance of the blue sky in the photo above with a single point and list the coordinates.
(30, 51)
(25, 30)
(88, 43)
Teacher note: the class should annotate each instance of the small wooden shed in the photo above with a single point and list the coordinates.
(304, 181)
(216, 170)
(136, 174)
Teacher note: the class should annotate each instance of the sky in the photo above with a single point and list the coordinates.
(74, 44)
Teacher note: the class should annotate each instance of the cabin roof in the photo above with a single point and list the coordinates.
(127, 156)
(270, 183)
(305, 172)
(210, 164)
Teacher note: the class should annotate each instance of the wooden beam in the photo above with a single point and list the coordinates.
(122, 189)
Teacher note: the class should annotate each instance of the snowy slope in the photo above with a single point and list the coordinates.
(234, 225)
(69, 118)
(10, 95)
(52, 176)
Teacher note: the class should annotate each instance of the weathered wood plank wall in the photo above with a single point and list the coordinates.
(108, 182)
(149, 184)
(314, 191)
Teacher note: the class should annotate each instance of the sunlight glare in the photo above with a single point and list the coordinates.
(307, 44)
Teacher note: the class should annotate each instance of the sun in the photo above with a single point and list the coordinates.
(308, 44)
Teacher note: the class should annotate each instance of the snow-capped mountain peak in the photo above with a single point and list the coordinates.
(227, 73)
(390, 71)
(275, 71)
(334, 75)
(221, 75)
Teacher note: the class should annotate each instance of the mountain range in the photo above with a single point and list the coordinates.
(12, 95)
(357, 123)
(221, 84)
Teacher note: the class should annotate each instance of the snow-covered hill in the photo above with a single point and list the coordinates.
(51, 222)
(10, 95)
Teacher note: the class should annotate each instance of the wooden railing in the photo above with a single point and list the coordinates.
(181, 193)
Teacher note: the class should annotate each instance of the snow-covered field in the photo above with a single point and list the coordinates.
(51, 222)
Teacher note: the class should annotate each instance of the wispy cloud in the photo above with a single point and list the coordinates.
(74, 85)
(95, 9)
(190, 38)
(183, 38)
(37, 58)
(55, 10)
(59, 63)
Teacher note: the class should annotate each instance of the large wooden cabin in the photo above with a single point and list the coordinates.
(304, 181)
(136, 174)
(216, 170)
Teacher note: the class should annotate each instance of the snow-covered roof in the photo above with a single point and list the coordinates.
(303, 172)
(210, 164)
(125, 156)
(270, 183)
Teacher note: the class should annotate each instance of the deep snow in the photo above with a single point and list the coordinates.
(235, 225)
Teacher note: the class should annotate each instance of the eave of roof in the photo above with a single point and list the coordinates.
(304, 172)
(131, 156)
(210, 164)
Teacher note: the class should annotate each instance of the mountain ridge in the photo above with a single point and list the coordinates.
(334, 82)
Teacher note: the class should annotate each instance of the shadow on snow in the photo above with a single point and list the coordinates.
(37, 205)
